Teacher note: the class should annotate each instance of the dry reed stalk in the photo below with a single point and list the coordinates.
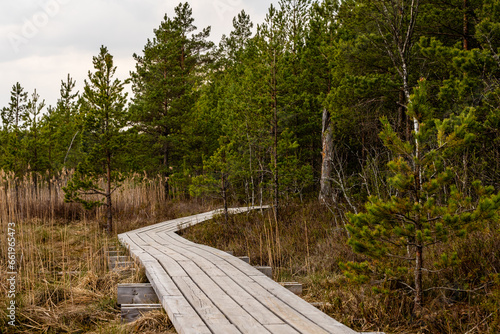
(35, 195)
(57, 243)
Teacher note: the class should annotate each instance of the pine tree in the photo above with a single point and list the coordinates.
(230, 106)
(12, 126)
(219, 168)
(62, 127)
(231, 48)
(272, 41)
(165, 85)
(427, 209)
(32, 118)
(103, 111)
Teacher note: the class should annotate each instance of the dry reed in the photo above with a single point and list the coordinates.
(63, 283)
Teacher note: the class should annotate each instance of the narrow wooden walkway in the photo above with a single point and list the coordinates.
(205, 290)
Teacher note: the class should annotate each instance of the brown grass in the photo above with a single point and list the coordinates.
(306, 246)
(63, 283)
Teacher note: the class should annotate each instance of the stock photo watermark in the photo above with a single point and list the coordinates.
(32, 25)
(11, 274)
(224, 6)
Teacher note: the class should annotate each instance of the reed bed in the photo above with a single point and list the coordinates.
(63, 283)
(42, 196)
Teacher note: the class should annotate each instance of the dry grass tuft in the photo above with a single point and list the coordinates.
(151, 323)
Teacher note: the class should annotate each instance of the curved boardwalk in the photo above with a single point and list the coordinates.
(205, 290)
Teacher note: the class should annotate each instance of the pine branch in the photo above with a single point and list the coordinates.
(401, 257)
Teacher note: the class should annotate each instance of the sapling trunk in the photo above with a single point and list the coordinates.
(109, 212)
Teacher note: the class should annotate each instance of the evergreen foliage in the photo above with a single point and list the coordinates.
(103, 121)
(165, 83)
(427, 208)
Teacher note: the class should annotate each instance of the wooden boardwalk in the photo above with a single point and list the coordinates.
(206, 290)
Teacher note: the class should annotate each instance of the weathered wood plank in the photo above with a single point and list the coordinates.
(266, 270)
(253, 306)
(276, 307)
(136, 293)
(249, 303)
(281, 329)
(183, 316)
(121, 265)
(210, 314)
(303, 307)
(131, 312)
(118, 258)
(228, 264)
(244, 321)
(205, 290)
(245, 259)
(294, 287)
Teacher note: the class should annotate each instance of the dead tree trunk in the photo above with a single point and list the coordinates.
(327, 154)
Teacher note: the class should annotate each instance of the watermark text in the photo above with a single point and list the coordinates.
(224, 6)
(11, 273)
(31, 26)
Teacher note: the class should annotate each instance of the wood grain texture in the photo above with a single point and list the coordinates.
(206, 290)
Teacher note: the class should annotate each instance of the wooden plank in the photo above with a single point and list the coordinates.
(304, 324)
(281, 329)
(303, 307)
(214, 252)
(283, 310)
(121, 265)
(172, 267)
(130, 312)
(294, 287)
(113, 253)
(121, 258)
(126, 240)
(234, 312)
(266, 270)
(278, 307)
(207, 290)
(136, 293)
(229, 264)
(210, 314)
(253, 306)
(249, 303)
(183, 316)
(161, 282)
(245, 259)
(207, 266)
(155, 248)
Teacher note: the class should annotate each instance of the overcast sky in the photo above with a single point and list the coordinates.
(41, 41)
